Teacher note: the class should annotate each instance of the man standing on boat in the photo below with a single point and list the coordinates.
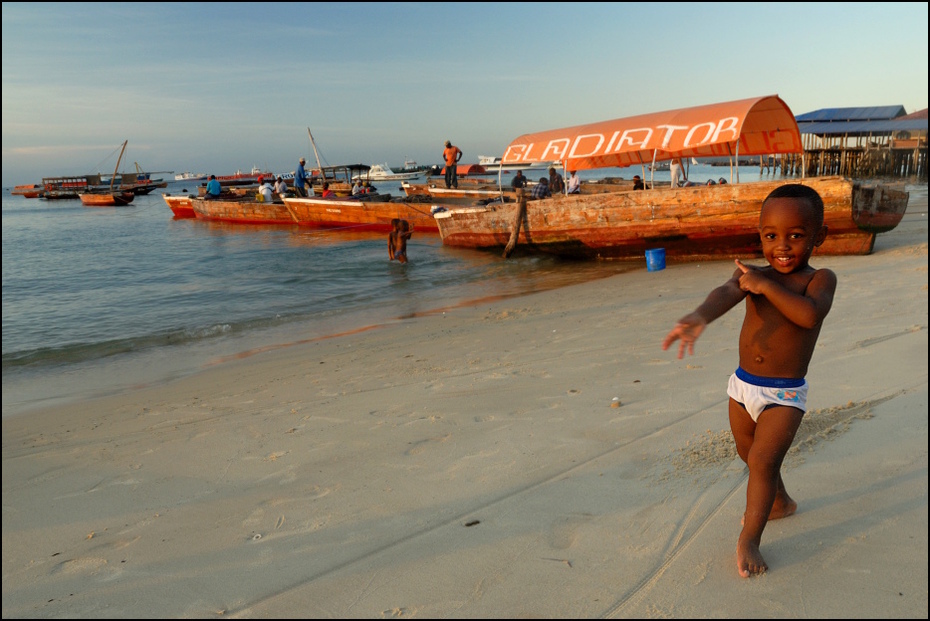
(677, 172)
(451, 154)
(300, 179)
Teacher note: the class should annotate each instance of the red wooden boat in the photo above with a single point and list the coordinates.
(180, 205)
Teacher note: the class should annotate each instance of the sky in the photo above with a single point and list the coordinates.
(216, 88)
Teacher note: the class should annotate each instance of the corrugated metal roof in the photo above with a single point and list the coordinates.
(920, 114)
(874, 113)
(861, 128)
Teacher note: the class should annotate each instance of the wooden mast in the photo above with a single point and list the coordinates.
(113, 178)
(316, 153)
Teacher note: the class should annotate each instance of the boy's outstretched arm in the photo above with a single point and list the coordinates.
(690, 327)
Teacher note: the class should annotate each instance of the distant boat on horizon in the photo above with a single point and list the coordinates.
(383, 172)
(491, 162)
(189, 176)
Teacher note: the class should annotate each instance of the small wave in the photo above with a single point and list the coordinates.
(83, 352)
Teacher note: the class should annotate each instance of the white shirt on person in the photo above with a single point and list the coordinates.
(574, 184)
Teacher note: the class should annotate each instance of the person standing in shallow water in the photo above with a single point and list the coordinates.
(786, 304)
(397, 240)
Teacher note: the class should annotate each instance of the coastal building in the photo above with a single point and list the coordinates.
(878, 141)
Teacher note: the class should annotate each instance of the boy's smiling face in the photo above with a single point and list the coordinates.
(790, 230)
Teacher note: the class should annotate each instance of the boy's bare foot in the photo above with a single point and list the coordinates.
(749, 561)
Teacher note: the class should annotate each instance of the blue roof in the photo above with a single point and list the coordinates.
(874, 113)
(861, 128)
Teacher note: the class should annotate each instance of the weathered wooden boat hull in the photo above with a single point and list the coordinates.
(242, 211)
(115, 199)
(693, 223)
(180, 206)
(359, 215)
(486, 190)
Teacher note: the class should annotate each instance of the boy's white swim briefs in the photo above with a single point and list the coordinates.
(756, 393)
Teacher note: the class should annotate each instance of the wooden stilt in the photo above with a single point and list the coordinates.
(517, 222)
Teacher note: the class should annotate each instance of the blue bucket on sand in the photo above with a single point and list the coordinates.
(655, 259)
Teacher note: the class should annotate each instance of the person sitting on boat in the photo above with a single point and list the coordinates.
(357, 188)
(638, 183)
(327, 193)
(574, 183)
(518, 181)
(279, 186)
(541, 189)
(556, 184)
(368, 188)
(213, 189)
(300, 179)
(721, 181)
(265, 191)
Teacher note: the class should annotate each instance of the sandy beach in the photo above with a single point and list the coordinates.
(538, 456)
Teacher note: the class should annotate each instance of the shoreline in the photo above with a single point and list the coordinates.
(530, 456)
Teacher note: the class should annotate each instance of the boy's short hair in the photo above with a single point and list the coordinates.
(798, 190)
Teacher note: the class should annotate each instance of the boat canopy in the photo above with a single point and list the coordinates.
(758, 126)
(343, 171)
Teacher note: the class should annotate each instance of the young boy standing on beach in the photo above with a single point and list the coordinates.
(786, 303)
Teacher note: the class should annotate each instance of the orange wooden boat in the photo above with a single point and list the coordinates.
(244, 210)
(691, 223)
(106, 199)
(359, 215)
(111, 197)
(180, 205)
(31, 190)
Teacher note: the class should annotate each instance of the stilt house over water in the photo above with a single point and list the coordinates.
(879, 141)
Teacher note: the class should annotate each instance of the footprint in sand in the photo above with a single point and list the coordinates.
(564, 533)
(87, 565)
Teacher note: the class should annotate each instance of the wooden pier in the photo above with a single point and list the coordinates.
(894, 158)
(855, 146)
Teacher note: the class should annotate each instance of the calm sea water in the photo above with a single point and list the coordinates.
(96, 300)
